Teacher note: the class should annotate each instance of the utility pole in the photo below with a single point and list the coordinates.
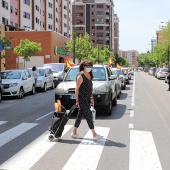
(168, 57)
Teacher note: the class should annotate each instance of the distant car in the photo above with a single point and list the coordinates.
(151, 71)
(161, 74)
(118, 83)
(104, 88)
(121, 76)
(157, 69)
(126, 72)
(0, 88)
(17, 83)
(59, 71)
(45, 79)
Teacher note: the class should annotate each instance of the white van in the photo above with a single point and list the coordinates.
(58, 69)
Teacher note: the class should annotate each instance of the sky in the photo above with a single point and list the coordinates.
(138, 22)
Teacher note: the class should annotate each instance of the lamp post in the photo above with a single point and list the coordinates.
(168, 57)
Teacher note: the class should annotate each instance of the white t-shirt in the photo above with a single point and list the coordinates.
(35, 74)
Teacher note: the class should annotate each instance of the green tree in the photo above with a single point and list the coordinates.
(27, 49)
(6, 43)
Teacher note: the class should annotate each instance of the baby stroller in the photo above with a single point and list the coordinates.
(59, 120)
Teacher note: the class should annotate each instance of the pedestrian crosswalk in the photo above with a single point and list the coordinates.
(32, 153)
(88, 153)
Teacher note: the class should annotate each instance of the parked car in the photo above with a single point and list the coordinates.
(17, 83)
(59, 71)
(0, 88)
(162, 73)
(45, 79)
(118, 83)
(157, 69)
(104, 88)
(151, 71)
(122, 77)
(126, 72)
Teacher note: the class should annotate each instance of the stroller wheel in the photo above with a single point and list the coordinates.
(51, 137)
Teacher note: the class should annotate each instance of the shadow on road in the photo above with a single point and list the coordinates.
(108, 143)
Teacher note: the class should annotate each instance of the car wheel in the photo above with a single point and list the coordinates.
(114, 101)
(45, 87)
(33, 90)
(53, 85)
(109, 107)
(21, 93)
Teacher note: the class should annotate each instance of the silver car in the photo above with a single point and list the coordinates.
(161, 74)
(17, 83)
(122, 77)
(104, 88)
(45, 79)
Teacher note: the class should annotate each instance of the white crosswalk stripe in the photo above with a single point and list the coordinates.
(88, 152)
(15, 132)
(2, 122)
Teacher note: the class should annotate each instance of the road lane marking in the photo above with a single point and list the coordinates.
(132, 113)
(143, 153)
(44, 116)
(2, 122)
(10, 134)
(88, 152)
(131, 125)
(29, 155)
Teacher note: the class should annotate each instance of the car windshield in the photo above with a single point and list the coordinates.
(119, 72)
(98, 74)
(72, 74)
(11, 74)
(164, 70)
(41, 72)
(55, 67)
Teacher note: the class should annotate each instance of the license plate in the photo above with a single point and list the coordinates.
(72, 97)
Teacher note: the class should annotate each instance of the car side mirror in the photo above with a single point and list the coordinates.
(113, 77)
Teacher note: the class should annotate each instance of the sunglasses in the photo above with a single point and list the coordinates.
(87, 66)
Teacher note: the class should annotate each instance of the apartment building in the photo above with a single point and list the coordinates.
(96, 17)
(130, 55)
(38, 15)
(116, 34)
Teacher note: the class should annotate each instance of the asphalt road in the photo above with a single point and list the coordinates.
(137, 134)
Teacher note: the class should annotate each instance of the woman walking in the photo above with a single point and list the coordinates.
(84, 99)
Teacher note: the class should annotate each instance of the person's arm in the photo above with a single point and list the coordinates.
(78, 83)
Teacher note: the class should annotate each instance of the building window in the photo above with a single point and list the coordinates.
(50, 26)
(79, 28)
(79, 14)
(65, 16)
(56, 10)
(99, 27)
(50, 15)
(26, 2)
(65, 7)
(11, 23)
(100, 20)
(4, 4)
(99, 5)
(93, 20)
(26, 15)
(65, 34)
(11, 9)
(79, 21)
(4, 21)
(99, 41)
(56, 19)
(37, 20)
(37, 7)
(99, 34)
(50, 5)
(16, 11)
(65, 25)
(100, 13)
(79, 7)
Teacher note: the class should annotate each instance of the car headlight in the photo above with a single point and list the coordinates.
(59, 89)
(101, 89)
(13, 84)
